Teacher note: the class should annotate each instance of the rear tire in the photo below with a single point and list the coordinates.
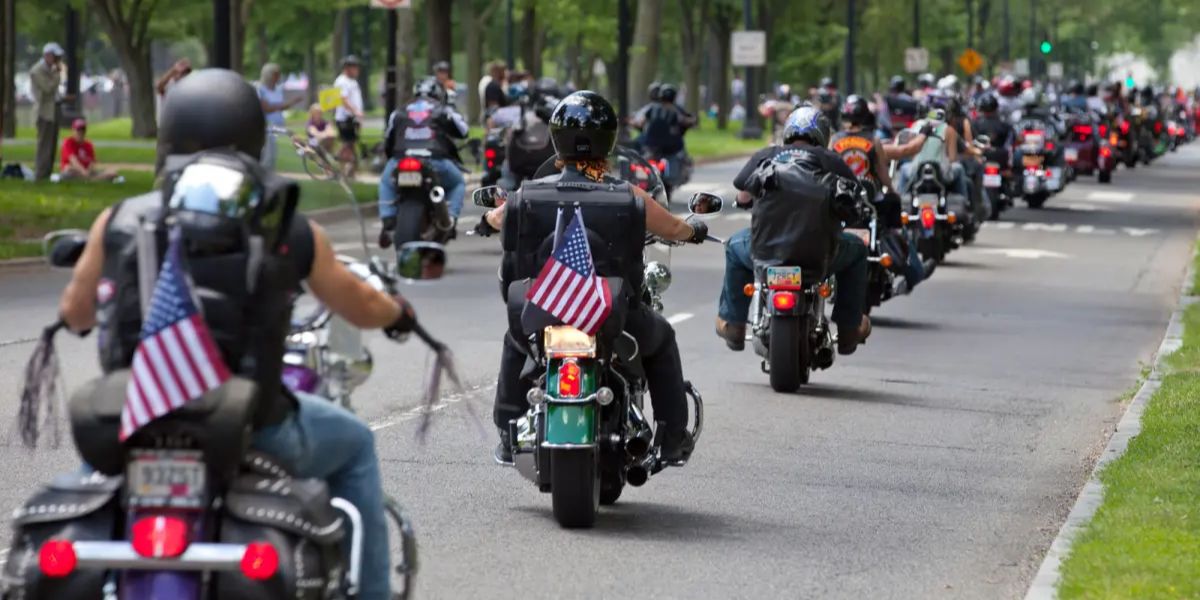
(574, 487)
(788, 353)
(1104, 177)
(1036, 200)
(410, 222)
(611, 486)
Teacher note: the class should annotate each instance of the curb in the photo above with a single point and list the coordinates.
(30, 263)
(1045, 583)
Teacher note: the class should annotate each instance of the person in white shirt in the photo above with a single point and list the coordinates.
(271, 96)
(349, 113)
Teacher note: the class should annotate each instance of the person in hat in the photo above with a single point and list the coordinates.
(349, 113)
(44, 78)
(441, 70)
(79, 157)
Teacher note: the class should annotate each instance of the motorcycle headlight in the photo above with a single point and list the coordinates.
(657, 277)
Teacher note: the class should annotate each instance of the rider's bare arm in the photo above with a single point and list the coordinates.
(881, 166)
(951, 144)
(906, 150)
(77, 307)
(344, 294)
(661, 222)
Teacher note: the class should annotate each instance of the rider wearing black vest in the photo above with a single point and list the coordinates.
(998, 131)
(584, 131)
(862, 152)
(246, 253)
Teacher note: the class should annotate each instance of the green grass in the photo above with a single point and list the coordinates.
(1196, 273)
(1144, 541)
(111, 129)
(104, 154)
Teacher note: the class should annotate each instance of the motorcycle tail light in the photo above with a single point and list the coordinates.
(784, 300)
(159, 537)
(569, 379)
(1049, 173)
(408, 165)
(661, 165)
(56, 558)
(490, 154)
(951, 218)
(748, 290)
(991, 170)
(1103, 130)
(1158, 127)
(1106, 152)
(260, 561)
(1050, 146)
(886, 261)
(1083, 130)
(1124, 127)
(928, 219)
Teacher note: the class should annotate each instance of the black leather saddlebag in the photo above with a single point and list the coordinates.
(73, 507)
(793, 221)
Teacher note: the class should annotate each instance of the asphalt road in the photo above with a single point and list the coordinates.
(937, 462)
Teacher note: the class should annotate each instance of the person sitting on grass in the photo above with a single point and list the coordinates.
(320, 133)
(79, 157)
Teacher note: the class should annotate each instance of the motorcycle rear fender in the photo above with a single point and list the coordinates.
(571, 421)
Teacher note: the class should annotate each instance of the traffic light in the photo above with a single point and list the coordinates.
(1046, 46)
(1129, 82)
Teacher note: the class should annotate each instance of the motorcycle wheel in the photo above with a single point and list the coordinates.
(788, 353)
(1036, 200)
(1131, 161)
(574, 487)
(404, 569)
(996, 208)
(611, 486)
(1104, 177)
(410, 221)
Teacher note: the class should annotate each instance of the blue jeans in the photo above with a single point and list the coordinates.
(957, 179)
(326, 441)
(449, 177)
(849, 265)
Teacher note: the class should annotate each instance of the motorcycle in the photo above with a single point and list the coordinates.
(885, 256)
(493, 156)
(1043, 174)
(585, 435)
(675, 170)
(1086, 151)
(1126, 141)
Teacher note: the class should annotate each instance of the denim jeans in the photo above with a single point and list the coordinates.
(326, 441)
(957, 179)
(849, 265)
(449, 177)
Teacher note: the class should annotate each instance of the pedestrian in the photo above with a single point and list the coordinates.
(441, 70)
(44, 78)
(270, 94)
(79, 157)
(349, 113)
(320, 134)
(495, 92)
(179, 70)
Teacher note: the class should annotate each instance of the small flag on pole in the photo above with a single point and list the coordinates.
(176, 360)
(568, 287)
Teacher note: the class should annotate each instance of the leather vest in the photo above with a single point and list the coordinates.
(857, 151)
(419, 127)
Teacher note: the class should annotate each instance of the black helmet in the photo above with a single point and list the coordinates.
(212, 109)
(1075, 87)
(667, 93)
(897, 84)
(653, 91)
(855, 110)
(1093, 89)
(989, 104)
(583, 127)
(807, 123)
(430, 88)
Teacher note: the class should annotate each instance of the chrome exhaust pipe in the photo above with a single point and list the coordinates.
(639, 472)
(437, 194)
(441, 212)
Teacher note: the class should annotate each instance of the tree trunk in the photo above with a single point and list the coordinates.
(692, 16)
(441, 35)
(644, 52)
(587, 71)
(531, 54)
(339, 38)
(310, 70)
(264, 48)
(237, 34)
(474, 33)
(129, 35)
(406, 54)
(720, 27)
(574, 51)
(8, 68)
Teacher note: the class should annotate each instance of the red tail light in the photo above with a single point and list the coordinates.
(56, 558)
(991, 170)
(159, 537)
(1171, 130)
(928, 219)
(1083, 129)
(490, 153)
(1105, 151)
(1124, 127)
(661, 165)
(1035, 132)
(1049, 173)
(260, 561)
(1049, 145)
(1103, 130)
(784, 300)
(1158, 127)
(408, 165)
(569, 379)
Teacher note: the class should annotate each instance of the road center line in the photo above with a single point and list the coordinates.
(1110, 196)
(679, 318)
(417, 411)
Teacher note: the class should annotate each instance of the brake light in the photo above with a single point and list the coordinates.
(260, 561)
(56, 558)
(489, 153)
(159, 537)
(661, 165)
(409, 165)
(1171, 129)
(991, 170)
(569, 379)
(1103, 130)
(1035, 132)
(783, 300)
(1105, 151)
(1049, 173)
(1084, 130)
(1049, 145)
(1124, 127)
(1158, 127)
(928, 219)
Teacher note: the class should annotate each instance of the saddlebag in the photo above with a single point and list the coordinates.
(264, 504)
(793, 220)
(73, 507)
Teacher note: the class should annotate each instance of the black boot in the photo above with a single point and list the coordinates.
(677, 445)
(503, 452)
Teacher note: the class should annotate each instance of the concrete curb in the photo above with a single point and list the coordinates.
(1045, 583)
(31, 263)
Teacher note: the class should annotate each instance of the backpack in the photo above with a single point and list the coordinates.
(793, 222)
(530, 147)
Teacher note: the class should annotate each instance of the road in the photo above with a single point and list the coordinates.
(937, 462)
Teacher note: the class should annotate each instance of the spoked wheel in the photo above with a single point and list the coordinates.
(788, 353)
(402, 544)
(574, 487)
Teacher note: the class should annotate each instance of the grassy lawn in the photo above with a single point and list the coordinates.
(104, 154)
(1144, 541)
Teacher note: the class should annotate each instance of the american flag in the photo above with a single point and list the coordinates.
(176, 360)
(568, 287)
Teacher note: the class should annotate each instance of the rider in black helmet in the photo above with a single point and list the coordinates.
(663, 123)
(213, 125)
(584, 129)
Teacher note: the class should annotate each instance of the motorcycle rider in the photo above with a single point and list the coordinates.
(664, 123)
(1094, 102)
(1075, 99)
(999, 132)
(427, 123)
(926, 83)
(215, 111)
(941, 146)
(805, 139)
(901, 106)
(584, 128)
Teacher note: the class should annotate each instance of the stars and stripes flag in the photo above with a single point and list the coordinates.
(568, 287)
(176, 360)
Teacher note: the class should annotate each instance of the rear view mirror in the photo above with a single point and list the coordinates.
(704, 203)
(64, 247)
(490, 196)
(421, 261)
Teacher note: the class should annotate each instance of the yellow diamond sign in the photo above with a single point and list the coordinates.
(970, 61)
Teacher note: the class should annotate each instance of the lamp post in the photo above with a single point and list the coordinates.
(750, 127)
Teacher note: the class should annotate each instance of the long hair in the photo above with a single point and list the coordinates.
(594, 169)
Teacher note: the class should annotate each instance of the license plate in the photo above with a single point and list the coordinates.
(1071, 154)
(1034, 140)
(1031, 183)
(408, 179)
(171, 477)
(924, 200)
(1031, 160)
(991, 181)
(784, 278)
(862, 234)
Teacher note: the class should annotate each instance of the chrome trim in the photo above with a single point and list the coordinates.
(567, 446)
(356, 535)
(584, 400)
(122, 556)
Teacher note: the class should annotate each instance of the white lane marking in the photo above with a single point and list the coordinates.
(1135, 232)
(1065, 228)
(1081, 207)
(418, 411)
(1051, 227)
(679, 318)
(1110, 196)
(1026, 253)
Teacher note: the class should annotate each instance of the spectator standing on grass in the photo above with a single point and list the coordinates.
(79, 157)
(44, 78)
(349, 113)
(271, 96)
(320, 132)
(182, 68)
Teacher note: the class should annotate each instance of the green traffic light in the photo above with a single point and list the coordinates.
(1047, 47)
(1129, 82)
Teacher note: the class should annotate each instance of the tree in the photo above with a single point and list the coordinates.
(8, 68)
(127, 23)
(476, 14)
(693, 14)
(720, 27)
(643, 60)
(438, 15)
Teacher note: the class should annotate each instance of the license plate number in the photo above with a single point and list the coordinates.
(991, 181)
(784, 278)
(1034, 160)
(862, 234)
(176, 477)
(408, 179)
(1071, 154)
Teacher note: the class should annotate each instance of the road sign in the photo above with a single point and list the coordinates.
(390, 4)
(1021, 67)
(916, 60)
(748, 48)
(970, 61)
(1054, 70)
